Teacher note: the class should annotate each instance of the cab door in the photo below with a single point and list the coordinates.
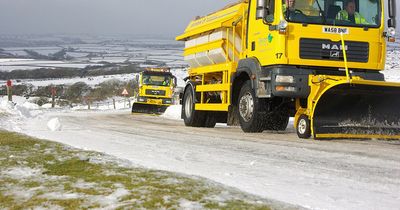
(264, 41)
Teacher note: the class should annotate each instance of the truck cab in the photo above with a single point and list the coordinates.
(156, 90)
(293, 39)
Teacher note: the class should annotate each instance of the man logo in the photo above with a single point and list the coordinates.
(334, 47)
(335, 54)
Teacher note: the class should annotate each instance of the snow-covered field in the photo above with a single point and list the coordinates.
(91, 53)
(180, 73)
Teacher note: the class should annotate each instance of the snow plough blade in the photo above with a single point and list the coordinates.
(148, 108)
(357, 109)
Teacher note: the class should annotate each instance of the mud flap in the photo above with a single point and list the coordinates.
(148, 108)
(358, 111)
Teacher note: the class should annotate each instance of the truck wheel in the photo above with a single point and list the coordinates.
(277, 121)
(210, 121)
(248, 107)
(303, 127)
(190, 116)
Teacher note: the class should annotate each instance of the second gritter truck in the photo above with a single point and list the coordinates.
(258, 62)
(156, 91)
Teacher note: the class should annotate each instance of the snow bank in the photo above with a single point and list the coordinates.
(173, 112)
(54, 124)
(29, 105)
(7, 105)
(49, 106)
(20, 107)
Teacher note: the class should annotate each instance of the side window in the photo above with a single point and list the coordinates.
(370, 11)
(339, 3)
(265, 10)
(271, 8)
(321, 3)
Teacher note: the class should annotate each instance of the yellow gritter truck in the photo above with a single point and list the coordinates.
(258, 62)
(156, 90)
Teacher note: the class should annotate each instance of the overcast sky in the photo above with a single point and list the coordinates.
(168, 17)
(102, 16)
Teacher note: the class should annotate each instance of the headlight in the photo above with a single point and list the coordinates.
(284, 79)
(167, 101)
(391, 32)
(283, 25)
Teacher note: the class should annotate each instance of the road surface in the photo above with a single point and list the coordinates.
(335, 174)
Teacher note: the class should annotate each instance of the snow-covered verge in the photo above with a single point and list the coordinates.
(15, 115)
(37, 174)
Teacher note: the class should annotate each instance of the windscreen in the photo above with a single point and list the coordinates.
(156, 80)
(362, 13)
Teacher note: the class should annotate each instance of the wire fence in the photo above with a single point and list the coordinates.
(110, 104)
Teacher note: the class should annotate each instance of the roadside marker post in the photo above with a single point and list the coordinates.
(9, 90)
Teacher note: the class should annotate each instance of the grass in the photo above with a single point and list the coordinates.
(37, 173)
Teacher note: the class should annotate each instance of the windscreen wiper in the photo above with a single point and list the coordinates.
(321, 12)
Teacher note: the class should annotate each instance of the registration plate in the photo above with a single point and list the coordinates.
(153, 101)
(335, 30)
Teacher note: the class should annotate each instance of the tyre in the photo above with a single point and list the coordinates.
(250, 118)
(303, 127)
(277, 121)
(210, 120)
(190, 116)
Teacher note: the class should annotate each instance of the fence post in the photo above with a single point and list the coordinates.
(9, 93)
(114, 104)
(53, 97)
(53, 101)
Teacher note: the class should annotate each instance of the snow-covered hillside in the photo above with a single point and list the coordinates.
(89, 52)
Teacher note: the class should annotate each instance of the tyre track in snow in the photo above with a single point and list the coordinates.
(340, 174)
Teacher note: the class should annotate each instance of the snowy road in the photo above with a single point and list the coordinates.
(313, 174)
